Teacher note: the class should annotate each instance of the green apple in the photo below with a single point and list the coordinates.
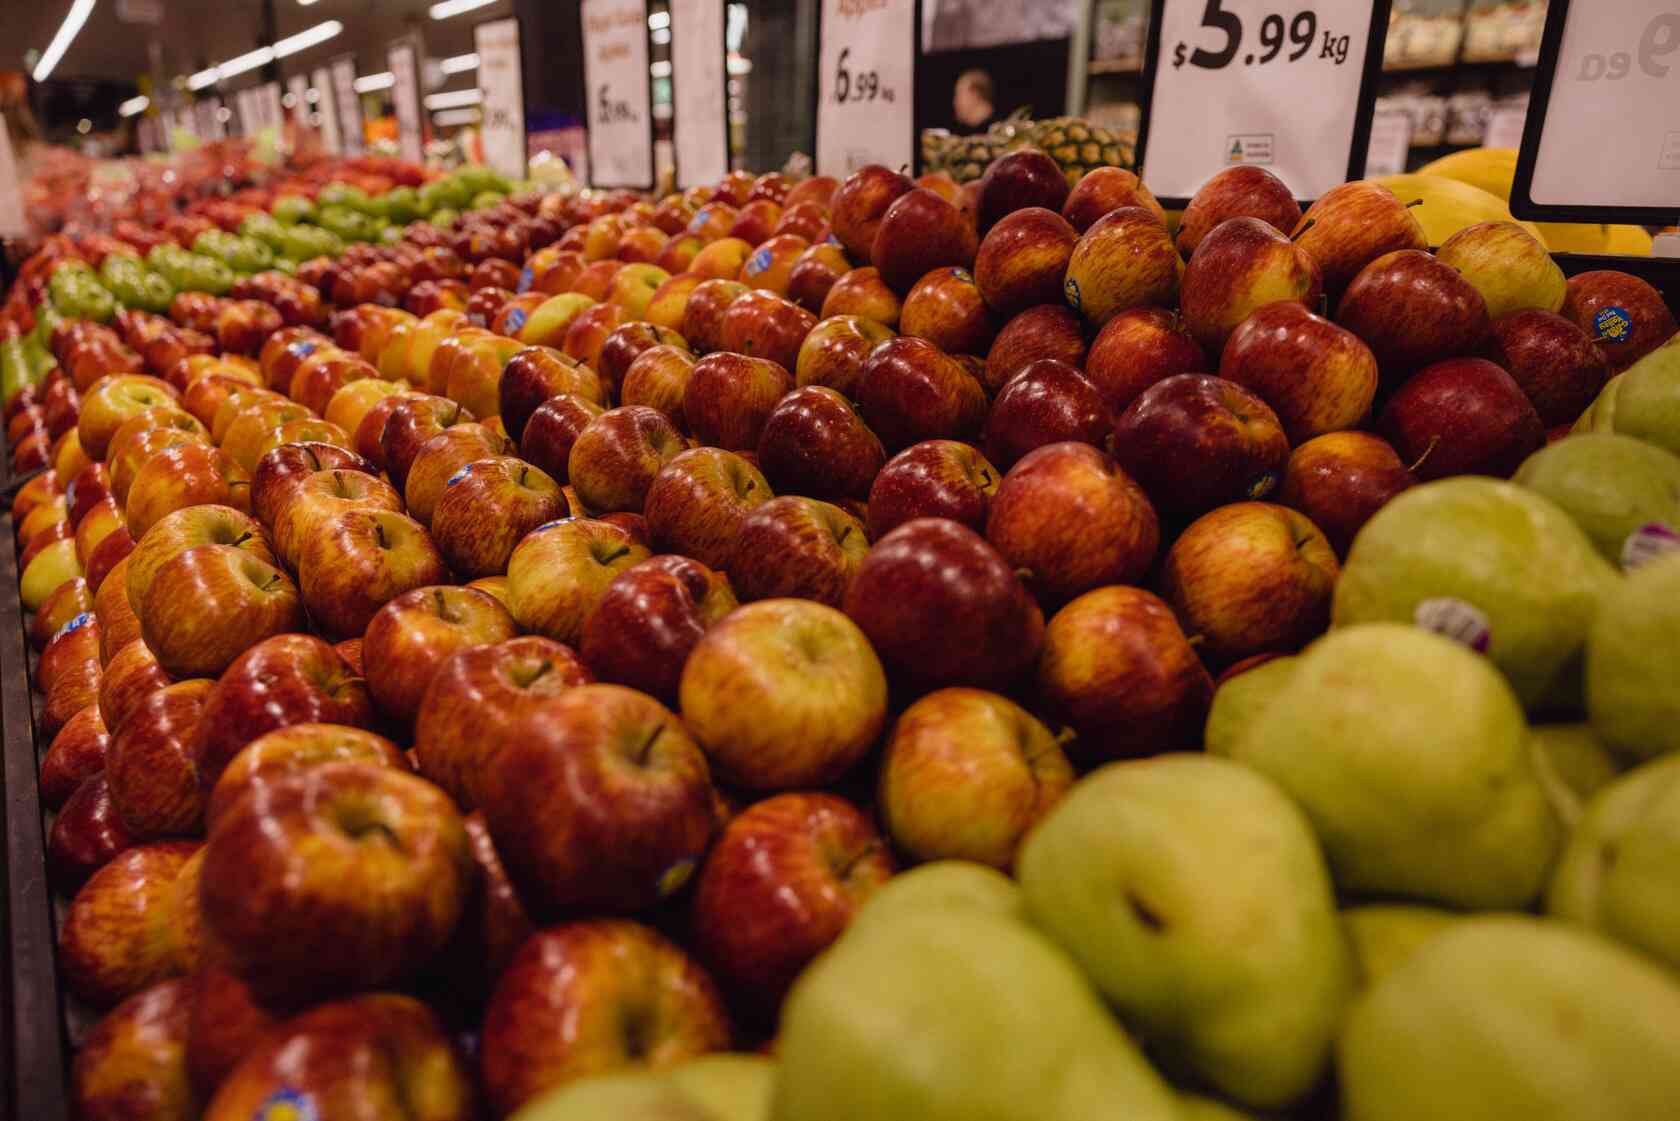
(955, 1015)
(1617, 871)
(1573, 763)
(1239, 699)
(723, 1087)
(1409, 754)
(729, 1087)
(945, 885)
(1384, 935)
(1507, 265)
(1154, 875)
(1512, 1018)
(1611, 485)
(1194, 1107)
(1633, 692)
(1509, 554)
(1642, 401)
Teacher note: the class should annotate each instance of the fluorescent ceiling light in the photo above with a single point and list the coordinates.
(305, 3)
(133, 105)
(250, 60)
(201, 79)
(659, 20)
(454, 99)
(459, 64)
(455, 7)
(303, 40)
(262, 56)
(367, 83)
(79, 12)
(451, 117)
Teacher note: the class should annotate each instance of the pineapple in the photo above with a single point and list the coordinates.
(1075, 144)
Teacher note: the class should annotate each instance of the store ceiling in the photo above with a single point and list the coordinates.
(193, 34)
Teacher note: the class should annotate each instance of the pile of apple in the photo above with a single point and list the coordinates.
(512, 691)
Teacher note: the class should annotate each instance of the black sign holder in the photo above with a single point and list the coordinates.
(1371, 74)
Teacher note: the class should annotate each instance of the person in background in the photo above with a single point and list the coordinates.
(971, 101)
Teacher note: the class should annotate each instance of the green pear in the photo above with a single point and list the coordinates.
(1512, 1018)
(1384, 935)
(1194, 895)
(1239, 699)
(1509, 554)
(1617, 871)
(1611, 485)
(945, 885)
(1194, 1107)
(1409, 754)
(710, 1088)
(1642, 401)
(956, 1015)
(1572, 765)
(1633, 690)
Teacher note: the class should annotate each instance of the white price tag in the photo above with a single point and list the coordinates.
(1282, 84)
(322, 81)
(1505, 126)
(503, 108)
(1391, 142)
(348, 103)
(207, 119)
(404, 61)
(273, 113)
(11, 194)
(1611, 137)
(699, 91)
(298, 86)
(618, 93)
(866, 85)
(244, 103)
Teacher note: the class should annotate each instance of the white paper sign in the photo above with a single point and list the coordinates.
(1391, 142)
(244, 103)
(322, 81)
(405, 68)
(699, 91)
(618, 93)
(1505, 126)
(1612, 131)
(500, 81)
(1256, 82)
(207, 119)
(866, 85)
(11, 194)
(298, 86)
(269, 110)
(348, 103)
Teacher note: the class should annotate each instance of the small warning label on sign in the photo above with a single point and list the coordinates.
(1249, 147)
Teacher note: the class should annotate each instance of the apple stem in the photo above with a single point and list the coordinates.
(647, 746)
(845, 870)
(1433, 441)
(443, 608)
(241, 539)
(1305, 226)
(379, 534)
(313, 458)
(1195, 639)
(1414, 202)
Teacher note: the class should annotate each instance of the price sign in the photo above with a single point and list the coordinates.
(1391, 142)
(245, 106)
(1284, 84)
(866, 84)
(699, 91)
(322, 81)
(268, 101)
(348, 103)
(298, 86)
(618, 93)
(501, 81)
(404, 62)
(11, 195)
(207, 119)
(1602, 140)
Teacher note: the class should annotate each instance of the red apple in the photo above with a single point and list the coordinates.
(1103, 189)
(120, 934)
(149, 767)
(1625, 316)
(1316, 376)
(1242, 265)
(287, 751)
(921, 231)
(627, 342)
(702, 319)
(862, 292)
(487, 508)
(698, 502)
(281, 473)
(1237, 192)
(320, 496)
(410, 425)
(815, 443)
(76, 754)
(1464, 416)
(932, 479)
(1554, 362)
(658, 378)
(559, 571)
(765, 325)
(814, 274)
(130, 677)
(1196, 442)
(1411, 310)
(946, 308)
(1046, 403)
(1352, 225)
(1339, 480)
(1125, 260)
(408, 638)
(356, 561)
(616, 456)
(730, 395)
(909, 391)
(176, 478)
(797, 547)
(1023, 259)
(133, 1062)
(649, 619)
(771, 265)
(834, 351)
(819, 189)
(440, 457)
(86, 834)
(859, 205)
(547, 437)
(1019, 179)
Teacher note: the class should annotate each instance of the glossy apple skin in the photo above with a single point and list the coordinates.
(814, 273)
(1023, 259)
(966, 774)
(1023, 178)
(149, 768)
(553, 429)
(75, 684)
(1196, 442)
(440, 458)
(945, 307)
(238, 600)
(626, 342)
(410, 425)
(1118, 669)
(1250, 578)
(1339, 480)
(121, 933)
(1103, 189)
(289, 679)
(616, 456)
(282, 471)
(342, 875)
(117, 623)
(921, 231)
(1069, 519)
(815, 443)
(558, 1012)
(321, 496)
(797, 547)
(1411, 310)
(379, 1047)
(184, 529)
(819, 189)
(698, 502)
(1242, 265)
(942, 607)
(600, 802)
(1237, 192)
(1651, 322)
(658, 378)
(130, 677)
(1050, 330)
(862, 292)
(770, 266)
(860, 204)
(729, 397)
(70, 599)
(410, 636)
(76, 754)
(286, 751)
(702, 319)
(559, 571)
(472, 701)
(1048, 402)
(834, 351)
(1353, 224)
(932, 479)
(1556, 364)
(1124, 260)
(765, 325)
(189, 475)
(535, 374)
(1463, 416)
(648, 620)
(780, 885)
(86, 833)
(487, 508)
(356, 561)
(133, 1062)
(909, 391)
(1316, 376)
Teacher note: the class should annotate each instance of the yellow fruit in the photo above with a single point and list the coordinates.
(1628, 241)
(1448, 205)
(1491, 169)
(1575, 237)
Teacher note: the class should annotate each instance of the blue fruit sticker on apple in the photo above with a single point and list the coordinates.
(1613, 325)
(286, 1105)
(516, 319)
(525, 279)
(758, 262)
